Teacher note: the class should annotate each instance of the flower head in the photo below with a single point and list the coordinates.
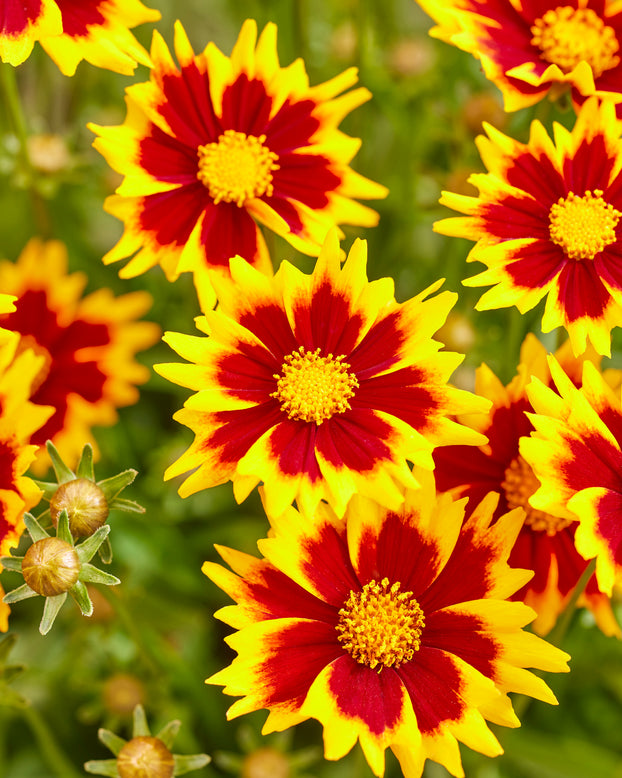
(390, 628)
(53, 566)
(70, 31)
(531, 49)
(318, 385)
(87, 345)
(220, 143)
(546, 224)
(545, 543)
(576, 454)
(144, 756)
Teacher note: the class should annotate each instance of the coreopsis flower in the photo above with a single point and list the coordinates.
(319, 385)
(545, 543)
(218, 144)
(576, 454)
(19, 420)
(145, 755)
(546, 224)
(87, 343)
(94, 30)
(533, 49)
(388, 627)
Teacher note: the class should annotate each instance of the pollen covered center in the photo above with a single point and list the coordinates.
(519, 484)
(379, 625)
(583, 226)
(567, 36)
(314, 388)
(237, 168)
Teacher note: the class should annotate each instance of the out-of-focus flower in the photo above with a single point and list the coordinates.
(319, 385)
(576, 454)
(144, 756)
(48, 153)
(54, 566)
(531, 49)
(19, 420)
(390, 628)
(546, 224)
(87, 345)
(215, 146)
(70, 31)
(545, 543)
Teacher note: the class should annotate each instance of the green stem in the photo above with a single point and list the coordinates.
(20, 127)
(56, 758)
(558, 634)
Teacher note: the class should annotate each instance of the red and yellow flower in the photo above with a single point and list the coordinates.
(546, 224)
(319, 385)
(531, 49)
(545, 543)
(87, 345)
(73, 30)
(576, 454)
(19, 420)
(219, 144)
(389, 627)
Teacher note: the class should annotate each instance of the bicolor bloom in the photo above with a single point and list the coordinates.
(19, 420)
(546, 224)
(545, 543)
(390, 628)
(576, 454)
(218, 145)
(531, 49)
(87, 344)
(69, 31)
(319, 385)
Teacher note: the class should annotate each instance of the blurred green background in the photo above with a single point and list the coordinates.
(154, 636)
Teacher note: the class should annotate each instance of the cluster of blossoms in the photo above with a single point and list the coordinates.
(415, 528)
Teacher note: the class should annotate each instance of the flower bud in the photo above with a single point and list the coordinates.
(51, 566)
(85, 503)
(145, 757)
(122, 693)
(266, 763)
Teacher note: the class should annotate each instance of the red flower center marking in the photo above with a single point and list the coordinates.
(567, 36)
(379, 625)
(583, 226)
(519, 484)
(314, 388)
(145, 757)
(237, 168)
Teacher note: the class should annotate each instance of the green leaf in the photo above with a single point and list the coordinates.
(105, 552)
(48, 488)
(6, 645)
(35, 530)
(80, 594)
(129, 506)
(62, 531)
(167, 733)
(114, 485)
(50, 612)
(86, 550)
(184, 764)
(141, 728)
(102, 767)
(93, 574)
(9, 698)
(63, 473)
(22, 592)
(111, 740)
(85, 465)
(11, 563)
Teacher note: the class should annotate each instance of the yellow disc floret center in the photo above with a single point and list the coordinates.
(237, 168)
(314, 388)
(519, 484)
(379, 625)
(583, 226)
(567, 36)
